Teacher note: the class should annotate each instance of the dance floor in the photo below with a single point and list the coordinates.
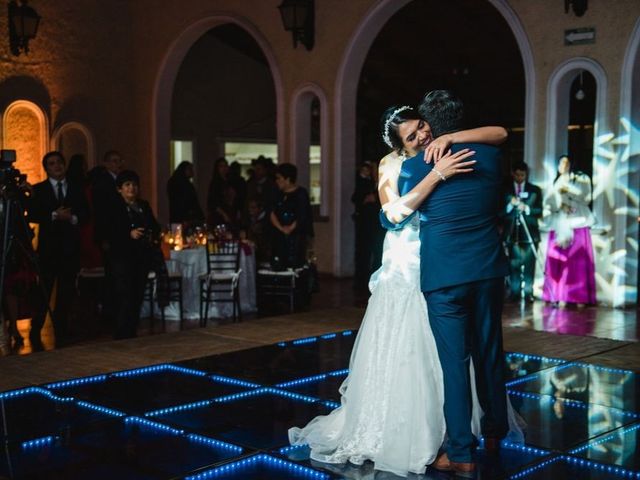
(226, 416)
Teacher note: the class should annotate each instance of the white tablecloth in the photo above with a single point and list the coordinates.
(191, 264)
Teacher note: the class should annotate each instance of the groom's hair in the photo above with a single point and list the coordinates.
(442, 110)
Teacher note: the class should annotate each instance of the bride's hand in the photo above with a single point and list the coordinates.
(436, 149)
(454, 163)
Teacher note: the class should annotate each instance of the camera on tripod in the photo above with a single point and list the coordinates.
(12, 181)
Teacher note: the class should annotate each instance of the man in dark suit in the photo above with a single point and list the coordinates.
(462, 277)
(59, 207)
(104, 196)
(523, 209)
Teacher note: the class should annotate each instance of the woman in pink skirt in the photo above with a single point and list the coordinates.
(570, 270)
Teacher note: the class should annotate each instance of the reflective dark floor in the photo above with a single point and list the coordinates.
(227, 416)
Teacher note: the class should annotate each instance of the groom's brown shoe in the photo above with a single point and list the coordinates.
(463, 469)
(442, 463)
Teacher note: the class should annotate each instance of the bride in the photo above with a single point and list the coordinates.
(392, 401)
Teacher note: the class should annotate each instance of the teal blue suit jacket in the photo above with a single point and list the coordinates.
(459, 237)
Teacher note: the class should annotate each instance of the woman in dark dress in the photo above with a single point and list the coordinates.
(291, 219)
(215, 196)
(184, 206)
(132, 237)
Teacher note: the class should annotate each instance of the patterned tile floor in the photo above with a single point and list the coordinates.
(227, 415)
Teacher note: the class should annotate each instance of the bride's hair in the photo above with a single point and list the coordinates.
(391, 119)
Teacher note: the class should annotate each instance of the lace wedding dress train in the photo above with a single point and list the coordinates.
(391, 407)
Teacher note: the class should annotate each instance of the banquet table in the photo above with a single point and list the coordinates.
(191, 263)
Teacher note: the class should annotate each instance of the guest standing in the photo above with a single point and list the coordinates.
(104, 195)
(90, 254)
(260, 187)
(132, 239)
(521, 231)
(215, 194)
(184, 206)
(59, 207)
(570, 269)
(291, 219)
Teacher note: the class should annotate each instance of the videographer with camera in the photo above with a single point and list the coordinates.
(521, 232)
(59, 207)
(132, 237)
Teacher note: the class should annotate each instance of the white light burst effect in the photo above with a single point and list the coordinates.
(615, 194)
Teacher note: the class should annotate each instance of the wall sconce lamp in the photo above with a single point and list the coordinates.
(298, 17)
(23, 26)
(579, 6)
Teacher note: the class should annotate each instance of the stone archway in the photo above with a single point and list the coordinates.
(163, 88)
(301, 138)
(25, 129)
(345, 115)
(74, 137)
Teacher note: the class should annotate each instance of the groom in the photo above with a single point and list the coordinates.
(462, 277)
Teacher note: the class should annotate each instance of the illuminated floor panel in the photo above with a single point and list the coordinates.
(258, 421)
(140, 391)
(586, 383)
(131, 448)
(227, 416)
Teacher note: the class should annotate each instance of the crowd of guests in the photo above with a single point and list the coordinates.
(565, 208)
(97, 219)
(268, 208)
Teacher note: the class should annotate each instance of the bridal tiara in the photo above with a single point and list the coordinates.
(387, 124)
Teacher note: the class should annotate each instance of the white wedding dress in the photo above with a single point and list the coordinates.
(391, 409)
(392, 400)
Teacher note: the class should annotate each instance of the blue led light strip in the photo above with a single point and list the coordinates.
(301, 381)
(98, 408)
(234, 381)
(291, 448)
(302, 341)
(214, 443)
(528, 356)
(620, 471)
(159, 368)
(522, 448)
(178, 408)
(294, 396)
(38, 442)
(154, 425)
(614, 434)
(35, 390)
(589, 464)
(141, 371)
(77, 381)
(262, 459)
(314, 378)
(536, 467)
(326, 336)
(188, 371)
(238, 396)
